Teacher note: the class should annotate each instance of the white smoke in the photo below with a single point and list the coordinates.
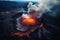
(40, 7)
(49, 1)
(43, 6)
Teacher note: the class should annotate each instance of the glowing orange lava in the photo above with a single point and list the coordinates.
(28, 21)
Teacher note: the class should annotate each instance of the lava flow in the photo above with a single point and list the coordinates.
(28, 21)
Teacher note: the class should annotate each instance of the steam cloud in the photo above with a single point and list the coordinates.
(43, 6)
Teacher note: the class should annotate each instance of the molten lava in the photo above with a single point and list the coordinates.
(28, 21)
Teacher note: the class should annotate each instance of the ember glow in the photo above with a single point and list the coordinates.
(28, 21)
(19, 34)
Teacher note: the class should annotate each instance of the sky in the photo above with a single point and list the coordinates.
(40, 1)
(19, 0)
(24, 0)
